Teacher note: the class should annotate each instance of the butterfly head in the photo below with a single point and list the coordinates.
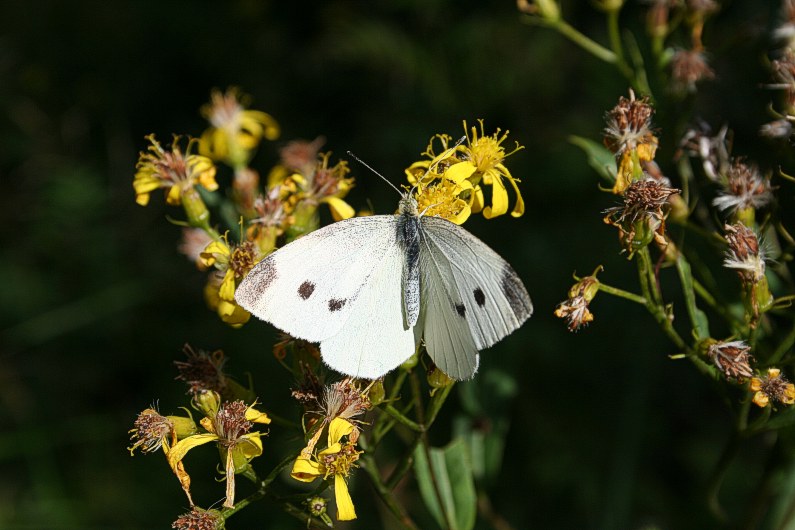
(408, 205)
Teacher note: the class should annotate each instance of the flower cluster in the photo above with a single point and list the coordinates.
(262, 216)
(451, 184)
(740, 192)
(225, 234)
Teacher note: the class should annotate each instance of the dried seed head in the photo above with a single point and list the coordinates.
(744, 253)
(689, 67)
(198, 519)
(345, 400)
(744, 188)
(150, 431)
(230, 421)
(202, 370)
(628, 124)
(732, 358)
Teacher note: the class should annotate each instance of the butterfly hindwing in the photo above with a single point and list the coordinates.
(309, 287)
(482, 290)
(446, 332)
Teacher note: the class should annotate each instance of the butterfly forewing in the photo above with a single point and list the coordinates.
(309, 287)
(375, 339)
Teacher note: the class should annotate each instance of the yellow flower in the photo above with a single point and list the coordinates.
(445, 198)
(235, 131)
(173, 170)
(232, 264)
(229, 425)
(336, 461)
(629, 135)
(483, 164)
(772, 387)
(301, 194)
(473, 165)
(153, 431)
(575, 308)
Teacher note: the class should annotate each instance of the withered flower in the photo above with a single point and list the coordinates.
(642, 216)
(732, 358)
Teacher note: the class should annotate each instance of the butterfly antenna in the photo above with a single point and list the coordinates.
(365, 164)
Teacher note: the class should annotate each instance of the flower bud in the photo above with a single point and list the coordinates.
(208, 403)
(195, 209)
(439, 379)
(183, 426)
(306, 219)
(376, 394)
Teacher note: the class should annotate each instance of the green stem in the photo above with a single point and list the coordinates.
(262, 489)
(782, 348)
(303, 516)
(614, 34)
(406, 462)
(654, 303)
(705, 295)
(239, 505)
(384, 492)
(400, 418)
(587, 44)
(632, 297)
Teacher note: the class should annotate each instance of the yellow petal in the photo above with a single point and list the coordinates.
(345, 509)
(331, 449)
(145, 183)
(271, 127)
(518, 209)
(499, 199)
(227, 289)
(460, 172)
(174, 194)
(339, 209)
(214, 144)
(181, 448)
(624, 173)
(761, 399)
(305, 470)
(478, 202)
(184, 479)
(142, 199)
(337, 429)
(249, 445)
(256, 416)
(232, 314)
(462, 215)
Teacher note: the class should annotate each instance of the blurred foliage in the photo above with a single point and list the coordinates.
(603, 430)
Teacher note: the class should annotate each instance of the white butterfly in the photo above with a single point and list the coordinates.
(369, 288)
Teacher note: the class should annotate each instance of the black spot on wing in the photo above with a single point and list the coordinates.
(336, 305)
(461, 309)
(480, 298)
(306, 289)
(516, 294)
(256, 283)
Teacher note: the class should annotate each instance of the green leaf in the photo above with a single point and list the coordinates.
(484, 425)
(783, 419)
(599, 157)
(446, 484)
(697, 317)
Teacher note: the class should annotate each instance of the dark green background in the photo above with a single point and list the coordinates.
(95, 303)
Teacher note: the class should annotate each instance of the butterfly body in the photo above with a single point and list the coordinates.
(368, 289)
